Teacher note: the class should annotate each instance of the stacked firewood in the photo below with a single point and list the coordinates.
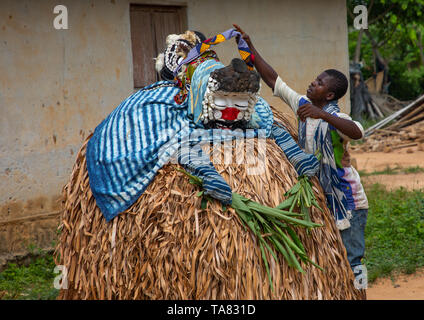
(388, 140)
(406, 131)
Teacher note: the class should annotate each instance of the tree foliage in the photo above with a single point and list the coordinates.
(394, 39)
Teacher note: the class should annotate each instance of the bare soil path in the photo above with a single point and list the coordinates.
(401, 287)
(379, 161)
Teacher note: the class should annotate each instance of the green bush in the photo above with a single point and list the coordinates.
(406, 84)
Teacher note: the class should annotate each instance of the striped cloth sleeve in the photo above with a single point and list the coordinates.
(304, 163)
(214, 184)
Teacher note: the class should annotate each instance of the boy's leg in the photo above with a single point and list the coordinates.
(354, 237)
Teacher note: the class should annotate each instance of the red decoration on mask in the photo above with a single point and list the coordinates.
(230, 114)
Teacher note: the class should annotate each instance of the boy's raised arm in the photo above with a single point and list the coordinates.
(270, 76)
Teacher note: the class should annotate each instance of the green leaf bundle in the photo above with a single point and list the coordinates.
(273, 227)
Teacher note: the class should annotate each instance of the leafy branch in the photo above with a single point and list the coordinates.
(273, 227)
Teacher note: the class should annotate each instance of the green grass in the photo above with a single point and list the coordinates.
(31, 282)
(394, 235)
(389, 170)
(416, 169)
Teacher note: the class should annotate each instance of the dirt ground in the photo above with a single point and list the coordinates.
(401, 287)
(379, 161)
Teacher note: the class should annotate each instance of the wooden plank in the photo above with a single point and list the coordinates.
(379, 81)
(150, 25)
(413, 113)
(402, 124)
(166, 23)
(370, 82)
(375, 84)
(413, 144)
(143, 42)
(377, 109)
(41, 216)
(395, 115)
(370, 111)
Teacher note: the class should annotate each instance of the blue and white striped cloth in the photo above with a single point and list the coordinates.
(304, 163)
(140, 136)
(200, 165)
(328, 175)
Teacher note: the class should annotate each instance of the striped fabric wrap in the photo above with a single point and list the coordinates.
(243, 48)
(141, 135)
(327, 174)
(199, 164)
(305, 164)
(198, 89)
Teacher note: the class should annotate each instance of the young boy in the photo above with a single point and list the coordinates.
(354, 237)
(324, 129)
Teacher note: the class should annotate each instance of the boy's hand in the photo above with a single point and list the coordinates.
(243, 35)
(311, 111)
(346, 159)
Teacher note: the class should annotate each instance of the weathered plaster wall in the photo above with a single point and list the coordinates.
(299, 39)
(57, 85)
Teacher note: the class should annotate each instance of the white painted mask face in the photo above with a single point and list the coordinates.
(230, 106)
(227, 110)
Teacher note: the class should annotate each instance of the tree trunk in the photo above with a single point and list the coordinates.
(357, 56)
(375, 47)
(378, 56)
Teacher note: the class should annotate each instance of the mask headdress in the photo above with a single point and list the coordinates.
(218, 96)
(200, 48)
(177, 48)
(184, 53)
(236, 78)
